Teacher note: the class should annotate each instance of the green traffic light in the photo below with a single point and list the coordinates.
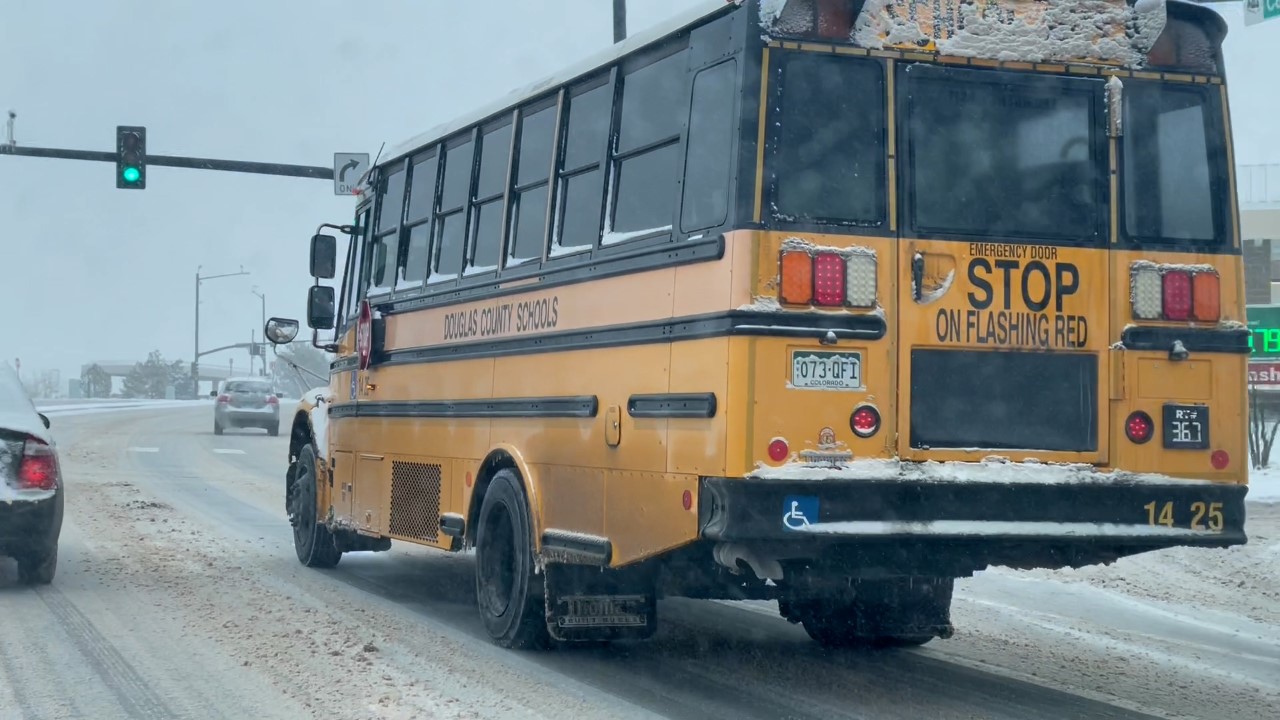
(131, 174)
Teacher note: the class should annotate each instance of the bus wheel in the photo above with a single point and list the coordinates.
(311, 540)
(508, 588)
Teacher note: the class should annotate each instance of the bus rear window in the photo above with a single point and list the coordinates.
(829, 165)
(1004, 156)
(1171, 179)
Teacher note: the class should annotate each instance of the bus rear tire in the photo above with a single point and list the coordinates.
(311, 540)
(509, 591)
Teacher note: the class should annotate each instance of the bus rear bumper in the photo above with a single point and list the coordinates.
(1125, 517)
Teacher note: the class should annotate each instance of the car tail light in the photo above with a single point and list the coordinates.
(828, 280)
(39, 468)
(779, 450)
(1175, 292)
(860, 280)
(224, 399)
(273, 400)
(797, 278)
(1204, 290)
(865, 421)
(1177, 295)
(1139, 428)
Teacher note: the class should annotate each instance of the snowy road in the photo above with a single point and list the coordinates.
(178, 596)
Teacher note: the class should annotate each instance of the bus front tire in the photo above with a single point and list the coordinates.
(509, 591)
(312, 540)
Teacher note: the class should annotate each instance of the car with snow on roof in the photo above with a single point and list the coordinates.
(31, 484)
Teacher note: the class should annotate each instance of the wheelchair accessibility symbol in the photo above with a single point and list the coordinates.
(799, 511)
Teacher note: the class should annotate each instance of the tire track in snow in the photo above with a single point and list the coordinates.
(17, 688)
(129, 688)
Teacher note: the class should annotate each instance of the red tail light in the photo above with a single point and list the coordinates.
(865, 421)
(39, 468)
(778, 450)
(273, 400)
(1139, 428)
(828, 279)
(224, 399)
(1177, 295)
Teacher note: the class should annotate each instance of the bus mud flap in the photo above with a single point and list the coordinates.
(590, 604)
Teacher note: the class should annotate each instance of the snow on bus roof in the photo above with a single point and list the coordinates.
(702, 10)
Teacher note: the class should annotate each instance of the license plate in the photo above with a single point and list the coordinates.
(826, 370)
(1186, 427)
(582, 611)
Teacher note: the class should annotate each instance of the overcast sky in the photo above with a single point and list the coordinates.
(89, 272)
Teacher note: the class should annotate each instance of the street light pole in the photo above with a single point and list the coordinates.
(195, 356)
(263, 298)
(619, 20)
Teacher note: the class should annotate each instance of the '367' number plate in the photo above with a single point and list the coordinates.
(1186, 427)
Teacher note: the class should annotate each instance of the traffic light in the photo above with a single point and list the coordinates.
(131, 157)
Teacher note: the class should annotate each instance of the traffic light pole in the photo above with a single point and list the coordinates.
(180, 161)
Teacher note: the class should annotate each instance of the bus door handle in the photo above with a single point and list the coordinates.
(917, 277)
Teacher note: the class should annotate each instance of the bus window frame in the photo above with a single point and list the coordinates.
(1219, 178)
(384, 174)
(606, 78)
(676, 143)
(556, 103)
(476, 203)
(406, 285)
(1100, 153)
(352, 279)
(773, 146)
(440, 214)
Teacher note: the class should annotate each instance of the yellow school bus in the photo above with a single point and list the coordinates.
(823, 301)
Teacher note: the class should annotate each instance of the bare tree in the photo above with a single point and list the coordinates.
(1262, 435)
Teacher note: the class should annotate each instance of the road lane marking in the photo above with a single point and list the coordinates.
(144, 449)
(228, 451)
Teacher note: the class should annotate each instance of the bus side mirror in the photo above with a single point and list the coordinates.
(281, 331)
(324, 256)
(320, 307)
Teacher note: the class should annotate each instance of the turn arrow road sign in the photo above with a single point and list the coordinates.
(348, 168)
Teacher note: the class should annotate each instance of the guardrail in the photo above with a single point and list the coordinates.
(1258, 186)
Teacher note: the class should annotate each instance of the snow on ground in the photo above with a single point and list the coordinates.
(1175, 624)
(1264, 484)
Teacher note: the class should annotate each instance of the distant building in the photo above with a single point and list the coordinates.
(1258, 187)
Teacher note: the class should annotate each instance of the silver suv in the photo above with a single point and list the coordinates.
(246, 402)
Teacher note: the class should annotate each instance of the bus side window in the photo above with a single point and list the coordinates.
(532, 182)
(580, 195)
(647, 155)
(451, 219)
(491, 191)
(387, 241)
(417, 220)
(709, 158)
(351, 271)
